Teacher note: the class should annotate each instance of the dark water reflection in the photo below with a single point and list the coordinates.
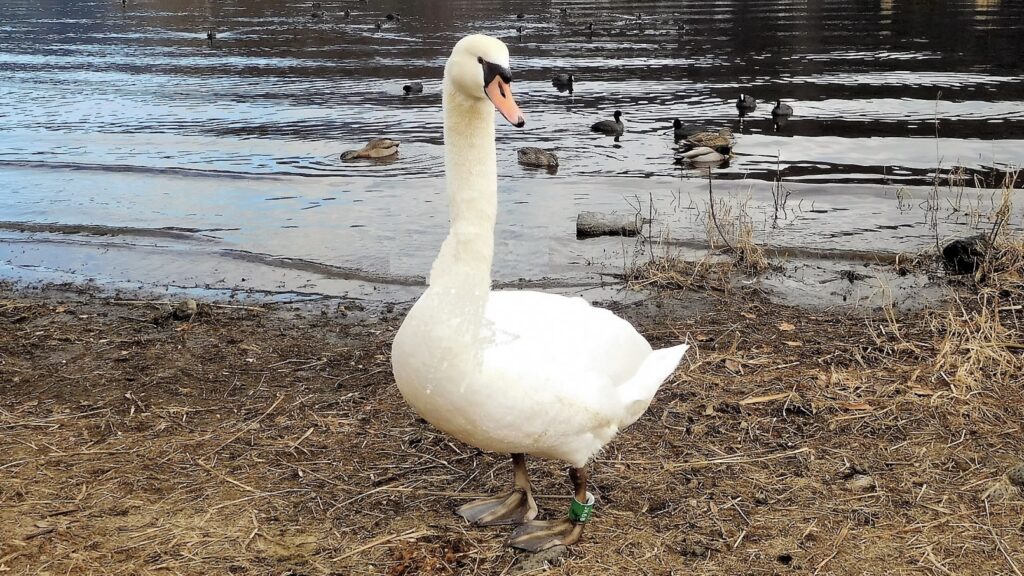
(128, 116)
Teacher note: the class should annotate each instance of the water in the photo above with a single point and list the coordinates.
(127, 116)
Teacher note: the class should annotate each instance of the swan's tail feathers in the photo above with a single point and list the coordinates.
(636, 394)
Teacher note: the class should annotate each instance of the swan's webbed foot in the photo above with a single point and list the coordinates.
(514, 507)
(543, 534)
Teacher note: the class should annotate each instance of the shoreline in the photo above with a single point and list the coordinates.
(271, 438)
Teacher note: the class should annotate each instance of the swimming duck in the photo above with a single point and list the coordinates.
(682, 131)
(781, 110)
(537, 157)
(379, 25)
(376, 148)
(393, 16)
(413, 88)
(704, 155)
(319, 14)
(513, 371)
(613, 128)
(721, 140)
(211, 36)
(746, 104)
(520, 16)
(519, 30)
(346, 14)
(562, 82)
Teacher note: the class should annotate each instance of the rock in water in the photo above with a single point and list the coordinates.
(964, 256)
(591, 224)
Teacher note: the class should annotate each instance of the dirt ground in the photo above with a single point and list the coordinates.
(272, 440)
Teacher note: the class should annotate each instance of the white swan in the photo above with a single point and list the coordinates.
(515, 372)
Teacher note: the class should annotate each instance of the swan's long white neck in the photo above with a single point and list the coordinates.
(463, 266)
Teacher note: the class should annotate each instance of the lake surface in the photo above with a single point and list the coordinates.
(125, 116)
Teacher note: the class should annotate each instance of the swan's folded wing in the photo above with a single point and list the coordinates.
(563, 338)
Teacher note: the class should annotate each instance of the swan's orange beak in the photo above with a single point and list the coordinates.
(500, 94)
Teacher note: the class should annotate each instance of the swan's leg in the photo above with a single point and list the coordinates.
(541, 535)
(514, 507)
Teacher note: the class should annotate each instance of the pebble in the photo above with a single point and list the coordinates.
(1016, 475)
(861, 483)
(185, 309)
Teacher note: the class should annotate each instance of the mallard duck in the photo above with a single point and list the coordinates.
(520, 16)
(781, 110)
(537, 157)
(704, 155)
(346, 14)
(682, 131)
(746, 104)
(513, 371)
(376, 148)
(393, 16)
(319, 14)
(613, 128)
(211, 36)
(379, 25)
(413, 88)
(721, 140)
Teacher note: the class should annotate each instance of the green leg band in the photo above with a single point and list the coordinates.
(579, 512)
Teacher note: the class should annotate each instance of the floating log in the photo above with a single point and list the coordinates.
(592, 224)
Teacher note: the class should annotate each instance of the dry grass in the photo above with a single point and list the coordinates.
(249, 442)
(732, 252)
(983, 339)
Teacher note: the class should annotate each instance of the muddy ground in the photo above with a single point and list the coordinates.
(272, 440)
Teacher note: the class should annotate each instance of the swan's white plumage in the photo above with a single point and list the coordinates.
(512, 371)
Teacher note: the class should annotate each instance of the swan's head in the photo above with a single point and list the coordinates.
(479, 68)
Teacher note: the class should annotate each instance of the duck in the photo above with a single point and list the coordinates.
(746, 104)
(379, 25)
(519, 30)
(682, 131)
(781, 110)
(721, 140)
(211, 36)
(393, 16)
(319, 14)
(124, 3)
(520, 16)
(613, 128)
(413, 88)
(704, 155)
(346, 14)
(563, 82)
(516, 372)
(537, 157)
(375, 148)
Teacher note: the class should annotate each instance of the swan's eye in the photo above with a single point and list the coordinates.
(479, 60)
